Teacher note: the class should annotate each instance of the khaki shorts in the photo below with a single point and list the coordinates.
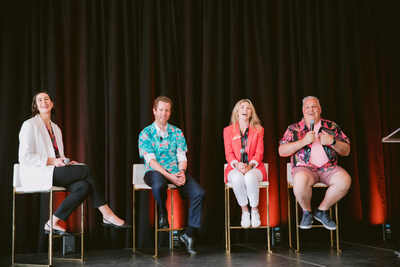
(319, 176)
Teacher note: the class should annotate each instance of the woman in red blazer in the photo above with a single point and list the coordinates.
(244, 150)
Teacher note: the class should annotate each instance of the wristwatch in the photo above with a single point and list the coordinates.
(334, 141)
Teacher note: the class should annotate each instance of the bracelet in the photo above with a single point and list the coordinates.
(183, 170)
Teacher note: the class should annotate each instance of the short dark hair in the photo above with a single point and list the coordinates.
(163, 99)
(34, 107)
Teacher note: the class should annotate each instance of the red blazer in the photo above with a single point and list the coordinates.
(254, 149)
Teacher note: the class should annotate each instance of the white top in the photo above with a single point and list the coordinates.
(35, 147)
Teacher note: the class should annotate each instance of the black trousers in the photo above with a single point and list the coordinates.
(80, 183)
(196, 194)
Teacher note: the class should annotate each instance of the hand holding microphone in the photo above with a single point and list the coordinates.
(310, 136)
(67, 161)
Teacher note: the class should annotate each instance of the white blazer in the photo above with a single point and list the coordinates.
(35, 147)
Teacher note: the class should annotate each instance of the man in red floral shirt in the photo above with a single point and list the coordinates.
(313, 144)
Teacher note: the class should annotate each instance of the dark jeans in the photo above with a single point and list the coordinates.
(191, 189)
(80, 183)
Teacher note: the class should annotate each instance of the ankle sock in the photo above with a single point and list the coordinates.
(306, 212)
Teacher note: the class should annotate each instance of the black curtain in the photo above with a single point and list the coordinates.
(106, 61)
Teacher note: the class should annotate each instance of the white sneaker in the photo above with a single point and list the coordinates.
(245, 223)
(255, 218)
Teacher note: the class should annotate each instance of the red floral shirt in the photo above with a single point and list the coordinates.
(302, 157)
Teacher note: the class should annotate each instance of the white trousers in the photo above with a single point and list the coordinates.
(246, 186)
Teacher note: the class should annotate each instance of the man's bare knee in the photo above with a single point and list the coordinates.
(341, 180)
(303, 179)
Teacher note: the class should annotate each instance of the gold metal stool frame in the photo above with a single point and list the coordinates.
(19, 190)
(318, 185)
(139, 184)
(228, 226)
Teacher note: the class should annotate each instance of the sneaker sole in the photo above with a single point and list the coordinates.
(306, 227)
(327, 227)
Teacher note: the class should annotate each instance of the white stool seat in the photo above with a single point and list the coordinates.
(26, 190)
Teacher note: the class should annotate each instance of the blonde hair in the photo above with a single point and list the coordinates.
(255, 122)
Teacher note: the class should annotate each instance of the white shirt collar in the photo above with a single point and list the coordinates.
(160, 132)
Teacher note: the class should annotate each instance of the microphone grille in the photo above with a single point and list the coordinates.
(66, 161)
(312, 121)
(242, 150)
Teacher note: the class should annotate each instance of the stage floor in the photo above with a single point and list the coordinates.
(312, 254)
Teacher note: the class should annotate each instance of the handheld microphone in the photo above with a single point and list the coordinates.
(312, 125)
(67, 161)
(242, 155)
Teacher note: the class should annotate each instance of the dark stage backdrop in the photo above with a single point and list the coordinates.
(105, 61)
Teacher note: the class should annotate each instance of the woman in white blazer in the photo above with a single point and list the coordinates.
(43, 165)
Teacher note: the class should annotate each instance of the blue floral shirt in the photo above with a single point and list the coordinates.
(165, 149)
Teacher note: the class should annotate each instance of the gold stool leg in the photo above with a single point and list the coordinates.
(13, 230)
(289, 219)
(228, 221)
(268, 222)
(51, 229)
(82, 232)
(155, 230)
(226, 236)
(133, 221)
(337, 227)
(331, 232)
(171, 235)
(297, 226)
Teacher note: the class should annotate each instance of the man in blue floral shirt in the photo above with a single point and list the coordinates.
(164, 148)
(313, 144)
